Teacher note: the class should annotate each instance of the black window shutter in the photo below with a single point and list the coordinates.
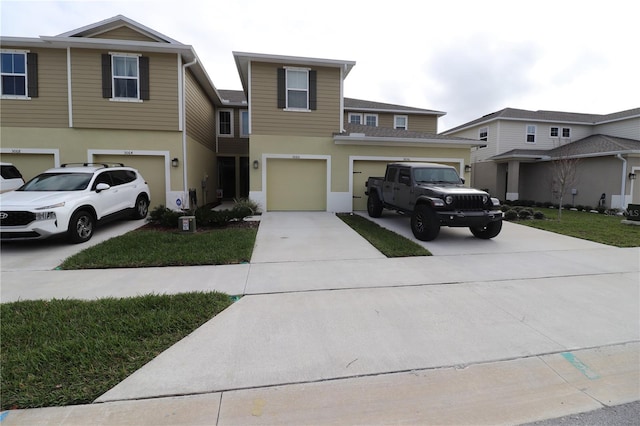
(282, 88)
(313, 77)
(106, 75)
(32, 71)
(144, 78)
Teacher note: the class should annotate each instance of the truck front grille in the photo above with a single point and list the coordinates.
(468, 202)
(16, 218)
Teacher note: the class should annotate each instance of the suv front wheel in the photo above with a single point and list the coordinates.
(81, 226)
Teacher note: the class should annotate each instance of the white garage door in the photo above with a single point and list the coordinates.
(150, 167)
(296, 184)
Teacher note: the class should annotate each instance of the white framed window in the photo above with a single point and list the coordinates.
(483, 133)
(297, 88)
(566, 132)
(531, 133)
(400, 122)
(125, 74)
(355, 118)
(225, 122)
(371, 120)
(244, 123)
(554, 132)
(13, 74)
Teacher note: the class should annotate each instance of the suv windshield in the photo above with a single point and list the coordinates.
(436, 175)
(58, 182)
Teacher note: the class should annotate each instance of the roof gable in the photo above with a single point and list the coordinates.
(119, 25)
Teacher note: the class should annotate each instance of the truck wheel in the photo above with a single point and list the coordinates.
(424, 223)
(374, 205)
(81, 227)
(491, 230)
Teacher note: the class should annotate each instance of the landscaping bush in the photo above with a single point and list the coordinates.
(205, 216)
(247, 203)
(511, 215)
(588, 208)
(525, 213)
(567, 206)
(162, 216)
(538, 215)
(579, 207)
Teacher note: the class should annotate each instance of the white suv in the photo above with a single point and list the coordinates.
(73, 200)
(10, 177)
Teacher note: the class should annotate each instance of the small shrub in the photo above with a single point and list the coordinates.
(588, 208)
(547, 204)
(525, 213)
(505, 208)
(601, 210)
(162, 216)
(247, 203)
(579, 207)
(538, 215)
(511, 215)
(567, 206)
(517, 208)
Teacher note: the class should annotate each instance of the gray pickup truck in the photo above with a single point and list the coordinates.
(434, 196)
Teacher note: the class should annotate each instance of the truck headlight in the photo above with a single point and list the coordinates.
(448, 199)
(485, 200)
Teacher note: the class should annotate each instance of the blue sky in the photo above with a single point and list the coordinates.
(467, 58)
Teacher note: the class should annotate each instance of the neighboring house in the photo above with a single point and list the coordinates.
(312, 149)
(117, 91)
(520, 148)
(113, 91)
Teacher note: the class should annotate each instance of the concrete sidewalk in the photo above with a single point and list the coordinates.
(490, 336)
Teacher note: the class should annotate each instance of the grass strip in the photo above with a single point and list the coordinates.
(595, 227)
(65, 352)
(147, 247)
(387, 242)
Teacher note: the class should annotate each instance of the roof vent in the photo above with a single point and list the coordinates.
(356, 135)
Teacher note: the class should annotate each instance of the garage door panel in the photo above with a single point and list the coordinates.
(296, 184)
(150, 167)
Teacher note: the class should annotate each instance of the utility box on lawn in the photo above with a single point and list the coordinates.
(187, 223)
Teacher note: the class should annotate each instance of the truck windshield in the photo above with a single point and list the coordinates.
(436, 175)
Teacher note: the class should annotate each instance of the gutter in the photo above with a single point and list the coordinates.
(623, 187)
(184, 128)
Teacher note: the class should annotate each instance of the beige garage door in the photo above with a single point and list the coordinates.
(30, 165)
(296, 184)
(150, 167)
(362, 170)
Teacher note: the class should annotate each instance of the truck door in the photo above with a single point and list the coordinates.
(404, 189)
(388, 192)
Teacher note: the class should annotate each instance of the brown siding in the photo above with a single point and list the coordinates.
(124, 33)
(49, 109)
(416, 123)
(235, 145)
(200, 114)
(267, 119)
(91, 110)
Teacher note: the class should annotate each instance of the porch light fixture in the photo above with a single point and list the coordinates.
(175, 162)
(632, 176)
(256, 164)
(467, 168)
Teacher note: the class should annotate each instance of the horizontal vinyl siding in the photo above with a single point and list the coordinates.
(124, 33)
(49, 109)
(233, 146)
(267, 119)
(200, 114)
(91, 110)
(622, 129)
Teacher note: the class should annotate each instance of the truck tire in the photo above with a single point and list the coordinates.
(424, 223)
(491, 230)
(374, 205)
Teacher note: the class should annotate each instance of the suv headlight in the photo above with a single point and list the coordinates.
(448, 199)
(45, 216)
(52, 206)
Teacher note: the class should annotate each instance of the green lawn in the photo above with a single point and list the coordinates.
(65, 352)
(589, 226)
(149, 247)
(387, 242)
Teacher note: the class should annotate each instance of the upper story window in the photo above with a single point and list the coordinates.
(400, 122)
(483, 135)
(297, 89)
(531, 133)
(355, 118)
(556, 132)
(18, 74)
(566, 132)
(125, 77)
(225, 122)
(244, 123)
(371, 120)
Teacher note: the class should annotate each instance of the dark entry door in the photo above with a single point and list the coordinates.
(227, 177)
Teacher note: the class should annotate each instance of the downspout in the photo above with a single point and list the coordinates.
(184, 128)
(69, 94)
(623, 186)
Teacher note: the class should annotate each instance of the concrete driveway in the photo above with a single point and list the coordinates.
(525, 327)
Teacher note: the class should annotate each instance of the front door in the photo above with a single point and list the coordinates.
(227, 177)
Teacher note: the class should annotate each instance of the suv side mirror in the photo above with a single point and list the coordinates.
(102, 187)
